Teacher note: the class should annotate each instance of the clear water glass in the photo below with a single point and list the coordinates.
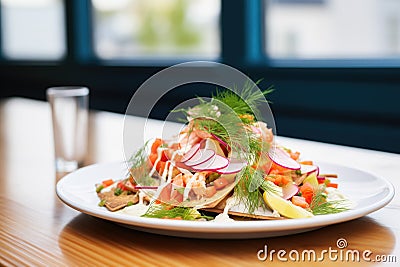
(69, 110)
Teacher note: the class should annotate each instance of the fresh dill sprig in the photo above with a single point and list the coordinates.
(319, 205)
(245, 190)
(139, 168)
(164, 211)
(139, 158)
(247, 99)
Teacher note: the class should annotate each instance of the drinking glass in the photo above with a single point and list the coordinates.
(69, 110)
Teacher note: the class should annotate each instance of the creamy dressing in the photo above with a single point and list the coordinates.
(135, 210)
(159, 155)
(185, 172)
(138, 209)
(171, 166)
(240, 207)
(224, 217)
(109, 188)
(275, 214)
(189, 185)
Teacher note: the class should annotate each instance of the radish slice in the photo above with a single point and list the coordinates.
(213, 164)
(145, 187)
(234, 166)
(220, 141)
(281, 158)
(200, 157)
(289, 190)
(307, 169)
(190, 153)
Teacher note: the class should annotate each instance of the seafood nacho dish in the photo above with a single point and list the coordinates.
(223, 165)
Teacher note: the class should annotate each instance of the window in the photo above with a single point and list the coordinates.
(32, 29)
(332, 29)
(132, 29)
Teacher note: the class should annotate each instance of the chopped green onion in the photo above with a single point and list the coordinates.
(99, 188)
(102, 203)
(118, 191)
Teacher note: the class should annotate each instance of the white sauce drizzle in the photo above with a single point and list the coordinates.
(159, 154)
(171, 166)
(109, 188)
(137, 209)
(224, 217)
(165, 172)
(189, 185)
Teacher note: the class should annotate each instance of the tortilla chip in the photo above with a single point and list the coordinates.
(219, 208)
(114, 203)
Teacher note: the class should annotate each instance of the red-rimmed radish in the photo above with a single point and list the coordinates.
(220, 141)
(201, 156)
(145, 187)
(192, 151)
(307, 169)
(289, 190)
(234, 166)
(213, 164)
(283, 159)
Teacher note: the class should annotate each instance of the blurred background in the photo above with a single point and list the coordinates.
(334, 64)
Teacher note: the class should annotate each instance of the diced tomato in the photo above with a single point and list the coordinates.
(270, 178)
(132, 180)
(157, 143)
(281, 180)
(307, 191)
(295, 155)
(160, 167)
(108, 182)
(220, 183)
(210, 191)
(164, 156)
(300, 201)
(276, 169)
(153, 158)
(334, 185)
(122, 186)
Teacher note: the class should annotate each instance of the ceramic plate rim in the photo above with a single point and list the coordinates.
(238, 227)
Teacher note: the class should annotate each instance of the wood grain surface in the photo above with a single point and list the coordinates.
(36, 229)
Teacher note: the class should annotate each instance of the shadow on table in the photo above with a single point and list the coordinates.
(103, 240)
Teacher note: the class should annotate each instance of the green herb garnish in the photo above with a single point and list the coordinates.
(139, 167)
(319, 205)
(247, 101)
(118, 191)
(102, 203)
(164, 211)
(99, 188)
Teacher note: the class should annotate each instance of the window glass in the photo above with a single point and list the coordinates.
(156, 28)
(33, 29)
(324, 29)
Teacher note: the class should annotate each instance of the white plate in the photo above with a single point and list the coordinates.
(369, 192)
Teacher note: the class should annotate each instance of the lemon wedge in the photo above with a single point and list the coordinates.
(285, 207)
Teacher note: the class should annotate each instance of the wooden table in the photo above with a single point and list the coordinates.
(36, 229)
